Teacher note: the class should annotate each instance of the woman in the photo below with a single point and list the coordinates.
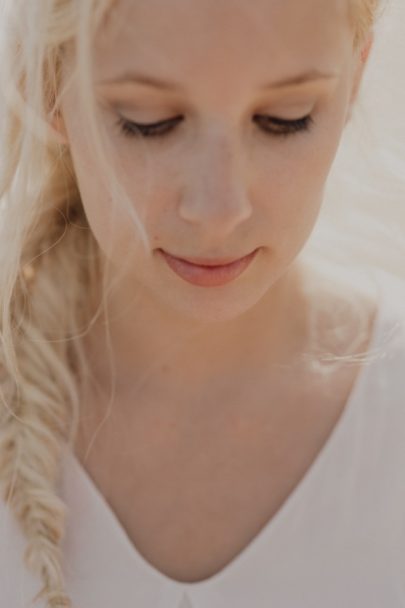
(194, 412)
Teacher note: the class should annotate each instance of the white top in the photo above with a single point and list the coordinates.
(337, 541)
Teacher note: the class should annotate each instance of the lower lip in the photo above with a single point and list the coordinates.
(208, 276)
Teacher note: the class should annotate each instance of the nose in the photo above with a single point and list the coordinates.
(216, 198)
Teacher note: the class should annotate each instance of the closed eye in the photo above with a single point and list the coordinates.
(280, 126)
(157, 129)
(269, 124)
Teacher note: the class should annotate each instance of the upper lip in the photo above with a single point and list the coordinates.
(209, 261)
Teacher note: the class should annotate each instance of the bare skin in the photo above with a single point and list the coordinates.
(210, 459)
(234, 416)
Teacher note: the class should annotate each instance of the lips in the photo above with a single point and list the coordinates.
(209, 261)
(208, 272)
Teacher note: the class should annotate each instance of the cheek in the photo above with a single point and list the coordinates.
(292, 188)
(107, 220)
(112, 220)
(295, 212)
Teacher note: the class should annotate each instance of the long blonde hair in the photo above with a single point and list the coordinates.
(50, 267)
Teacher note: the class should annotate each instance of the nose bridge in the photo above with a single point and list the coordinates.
(223, 161)
(217, 190)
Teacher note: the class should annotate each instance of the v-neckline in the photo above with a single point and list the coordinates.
(280, 516)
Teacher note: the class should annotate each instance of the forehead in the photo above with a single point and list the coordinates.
(196, 38)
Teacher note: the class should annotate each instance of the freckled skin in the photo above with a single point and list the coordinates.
(219, 185)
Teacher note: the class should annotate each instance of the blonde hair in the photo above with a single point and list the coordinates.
(362, 14)
(50, 267)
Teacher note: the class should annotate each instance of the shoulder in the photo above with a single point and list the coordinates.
(344, 307)
(359, 325)
(390, 322)
(362, 300)
(382, 386)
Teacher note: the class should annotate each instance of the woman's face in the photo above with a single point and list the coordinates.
(231, 174)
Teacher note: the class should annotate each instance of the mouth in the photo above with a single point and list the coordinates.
(208, 272)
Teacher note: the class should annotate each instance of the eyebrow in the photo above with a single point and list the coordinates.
(150, 81)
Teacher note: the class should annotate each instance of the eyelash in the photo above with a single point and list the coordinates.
(163, 128)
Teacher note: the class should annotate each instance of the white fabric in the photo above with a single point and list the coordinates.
(337, 541)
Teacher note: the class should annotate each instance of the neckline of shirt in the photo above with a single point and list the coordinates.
(227, 572)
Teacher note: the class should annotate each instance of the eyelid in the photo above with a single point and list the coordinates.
(293, 107)
(130, 126)
(282, 127)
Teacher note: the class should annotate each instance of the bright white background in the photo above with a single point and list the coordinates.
(366, 191)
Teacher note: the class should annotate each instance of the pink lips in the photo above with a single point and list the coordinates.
(208, 273)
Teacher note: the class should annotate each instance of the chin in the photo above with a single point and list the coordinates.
(215, 305)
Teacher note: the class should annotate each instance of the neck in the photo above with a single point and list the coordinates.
(140, 347)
